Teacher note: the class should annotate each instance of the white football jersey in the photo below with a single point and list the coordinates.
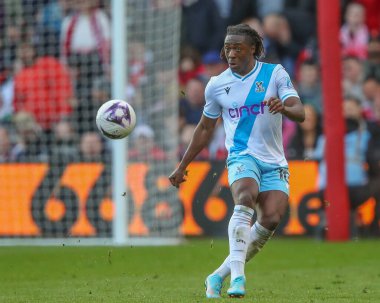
(249, 127)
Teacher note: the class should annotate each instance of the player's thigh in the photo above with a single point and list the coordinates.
(244, 178)
(272, 205)
(245, 191)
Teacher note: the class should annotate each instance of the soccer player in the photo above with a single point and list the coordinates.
(251, 96)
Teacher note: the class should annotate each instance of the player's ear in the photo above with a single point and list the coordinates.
(253, 50)
(223, 54)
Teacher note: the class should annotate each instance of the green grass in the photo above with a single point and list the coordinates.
(287, 270)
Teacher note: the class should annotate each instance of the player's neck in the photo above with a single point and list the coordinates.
(248, 69)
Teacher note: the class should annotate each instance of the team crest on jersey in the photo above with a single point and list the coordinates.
(284, 174)
(227, 89)
(259, 87)
(240, 169)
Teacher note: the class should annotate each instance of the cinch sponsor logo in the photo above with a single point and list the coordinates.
(254, 109)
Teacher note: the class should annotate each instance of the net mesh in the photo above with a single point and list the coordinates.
(55, 72)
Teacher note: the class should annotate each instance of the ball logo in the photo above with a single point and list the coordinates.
(118, 113)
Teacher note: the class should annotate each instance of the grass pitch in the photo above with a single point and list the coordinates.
(287, 270)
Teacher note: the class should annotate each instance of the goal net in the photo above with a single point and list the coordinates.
(55, 168)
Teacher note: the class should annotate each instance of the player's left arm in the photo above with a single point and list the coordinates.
(292, 108)
(288, 102)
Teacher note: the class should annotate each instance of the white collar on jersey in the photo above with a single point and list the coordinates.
(242, 78)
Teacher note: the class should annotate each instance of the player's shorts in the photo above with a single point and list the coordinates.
(268, 176)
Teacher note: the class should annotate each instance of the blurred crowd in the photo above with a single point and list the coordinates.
(288, 28)
(55, 73)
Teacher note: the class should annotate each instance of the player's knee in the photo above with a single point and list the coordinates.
(246, 198)
(270, 221)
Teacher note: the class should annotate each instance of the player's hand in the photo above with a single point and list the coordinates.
(275, 105)
(177, 177)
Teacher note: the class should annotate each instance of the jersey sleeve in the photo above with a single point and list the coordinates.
(285, 88)
(212, 109)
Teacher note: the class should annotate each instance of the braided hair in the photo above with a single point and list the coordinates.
(254, 37)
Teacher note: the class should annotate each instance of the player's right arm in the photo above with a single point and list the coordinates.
(201, 138)
(202, 133)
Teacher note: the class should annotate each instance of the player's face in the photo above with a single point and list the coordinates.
(239, 53)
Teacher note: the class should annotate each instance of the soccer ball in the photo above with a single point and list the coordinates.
(116, 119)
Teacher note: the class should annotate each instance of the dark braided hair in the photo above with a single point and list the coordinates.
(251, 34)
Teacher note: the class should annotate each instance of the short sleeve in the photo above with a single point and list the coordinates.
(285, 88)
(212, 109)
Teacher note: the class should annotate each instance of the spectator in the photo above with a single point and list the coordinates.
(42, 87)
(265, 8)
(309, 86)
(138, 58)
(235, 11)
(373, 160)
(303, 143)
(372, 65)
(371, 90)
(213, 64)
(372, 10)
(301, 15)
(92, 148)
(63, 148)
(144, 148)
(356, 143)
(255, 24)
(6, 154)
(280, 47)
(353, 77)
(12, 31)
(202, 26)
(354, 32)
(100, 93)
(85, 45)
(49, 24)
(32, 143)
(217, 147)
(6, 99)
(191, 107)
(185, 138)
(190, 65)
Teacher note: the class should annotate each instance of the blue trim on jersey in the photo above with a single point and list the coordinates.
(244, 128)
(288, 95)
(236, 75)
(250, 73)
(211, 115)
(254, 69)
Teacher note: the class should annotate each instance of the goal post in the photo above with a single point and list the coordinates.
(61, 182)
(337, 206)
(119, 156)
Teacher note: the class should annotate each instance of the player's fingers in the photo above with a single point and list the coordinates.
(272, 101)
(179, 181)
(272, 104)
(277, 107)
(171, 179)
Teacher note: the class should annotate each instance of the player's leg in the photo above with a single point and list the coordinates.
(274, 188)
(244, 192)
(271, 208)
(259, 234)
(271, 205)
(244, 177)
